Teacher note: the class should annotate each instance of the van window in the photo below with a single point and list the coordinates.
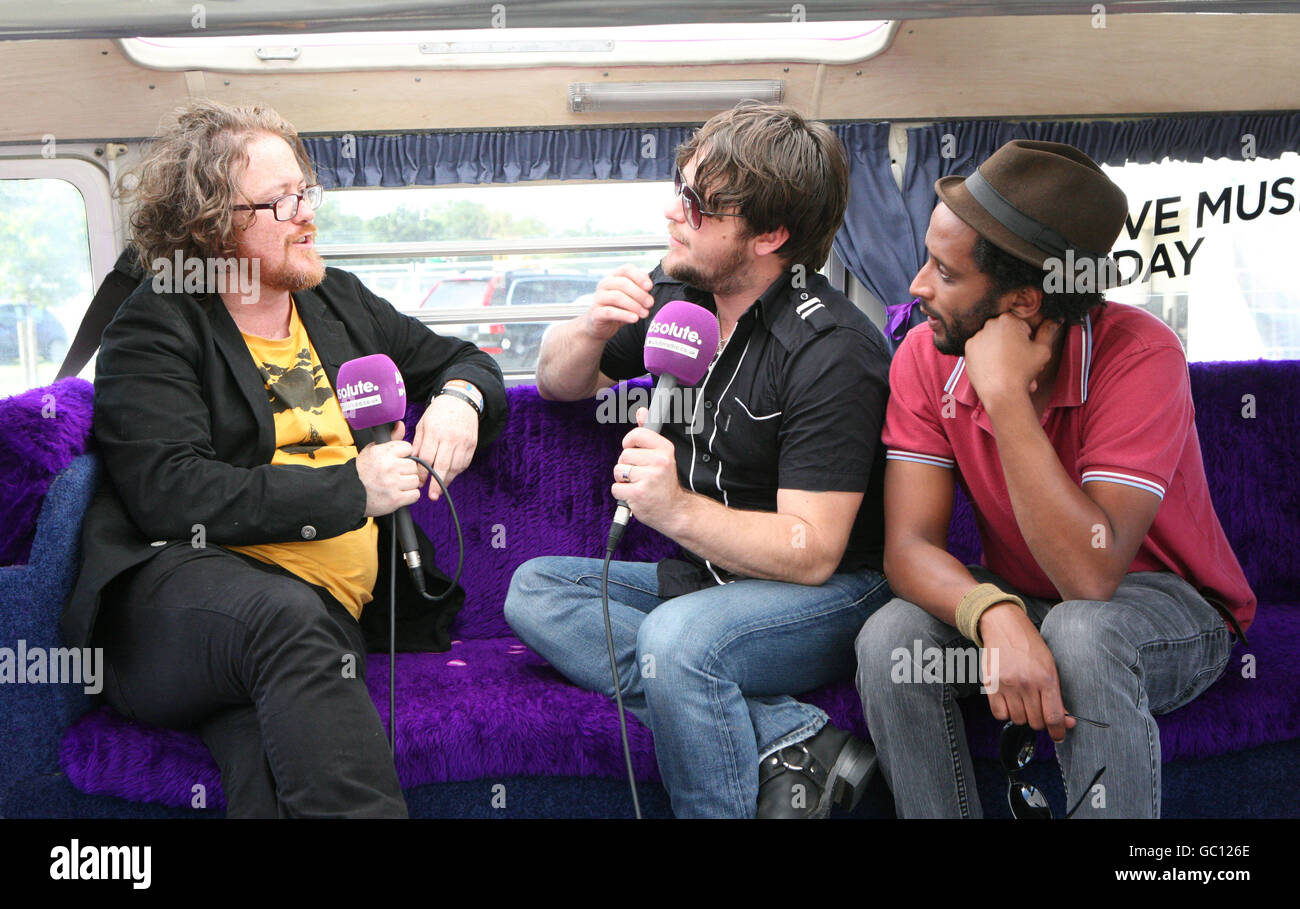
(449, 255)
(45, 278)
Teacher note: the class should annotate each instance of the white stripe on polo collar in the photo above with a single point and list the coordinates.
(1086, 367)
(956, 374)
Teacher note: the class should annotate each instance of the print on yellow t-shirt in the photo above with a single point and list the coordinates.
(310, 431)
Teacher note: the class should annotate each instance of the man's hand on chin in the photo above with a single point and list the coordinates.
(1005, 357)
(645, 477)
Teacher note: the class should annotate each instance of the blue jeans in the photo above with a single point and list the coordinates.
(1153, 647)
(710, 673)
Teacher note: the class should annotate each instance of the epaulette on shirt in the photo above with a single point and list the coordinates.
(806, 314)
(814, 312)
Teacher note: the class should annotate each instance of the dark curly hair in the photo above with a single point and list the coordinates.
(1007, 273)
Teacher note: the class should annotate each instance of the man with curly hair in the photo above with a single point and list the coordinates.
(229, 557)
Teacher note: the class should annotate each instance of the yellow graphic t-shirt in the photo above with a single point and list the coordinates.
(310, 430)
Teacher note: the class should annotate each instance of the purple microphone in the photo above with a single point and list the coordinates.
(679, 346)
(371, 394)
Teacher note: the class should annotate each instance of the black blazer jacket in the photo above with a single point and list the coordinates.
(185, 430)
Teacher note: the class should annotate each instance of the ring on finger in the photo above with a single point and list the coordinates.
(627, 473)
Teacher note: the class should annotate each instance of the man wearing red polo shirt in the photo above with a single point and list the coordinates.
(1108, 589)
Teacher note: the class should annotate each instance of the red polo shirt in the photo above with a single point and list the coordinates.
(1120, 412)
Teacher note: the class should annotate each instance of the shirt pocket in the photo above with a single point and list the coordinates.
(756, 417)
(750, 442)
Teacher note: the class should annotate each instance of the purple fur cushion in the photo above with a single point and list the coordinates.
(492, 708)
(543, 489)
(485, 708)
(43, 429)
(1247, 416)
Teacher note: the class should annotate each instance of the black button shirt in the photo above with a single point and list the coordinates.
(795, 401)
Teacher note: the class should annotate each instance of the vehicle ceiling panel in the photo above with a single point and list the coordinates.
(138, 18)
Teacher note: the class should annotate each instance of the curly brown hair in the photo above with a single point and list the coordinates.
(189, 179)
(775, 168)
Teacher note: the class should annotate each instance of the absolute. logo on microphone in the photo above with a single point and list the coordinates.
(370, 391)
(674, 337)
(355, 395)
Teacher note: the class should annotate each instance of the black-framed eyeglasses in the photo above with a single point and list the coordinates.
(1016, 750)
(691, 202)
(285, 208)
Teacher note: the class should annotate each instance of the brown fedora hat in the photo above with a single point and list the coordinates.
(1039, 200)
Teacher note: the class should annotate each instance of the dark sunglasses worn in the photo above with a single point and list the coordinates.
(1016, 750)
(691, 202)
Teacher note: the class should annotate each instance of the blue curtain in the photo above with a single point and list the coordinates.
(958, 147)
(434, 159)
(877, 217)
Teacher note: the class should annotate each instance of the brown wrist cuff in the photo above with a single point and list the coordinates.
(975, 603)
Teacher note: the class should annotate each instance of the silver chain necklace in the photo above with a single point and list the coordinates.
(722, 343)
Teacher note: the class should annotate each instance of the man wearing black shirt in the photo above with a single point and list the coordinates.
(772, 485)
(231, 549)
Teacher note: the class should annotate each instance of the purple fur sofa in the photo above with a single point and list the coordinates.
(489, 729)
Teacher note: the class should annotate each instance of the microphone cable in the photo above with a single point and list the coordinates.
(615, 535)
(612, 543)
(460, 539)
(419, 586)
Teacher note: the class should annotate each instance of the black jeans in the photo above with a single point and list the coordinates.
(271, 671)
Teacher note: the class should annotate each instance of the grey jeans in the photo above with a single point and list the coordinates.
(1152, 648)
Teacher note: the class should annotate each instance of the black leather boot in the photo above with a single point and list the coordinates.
(803, 780)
